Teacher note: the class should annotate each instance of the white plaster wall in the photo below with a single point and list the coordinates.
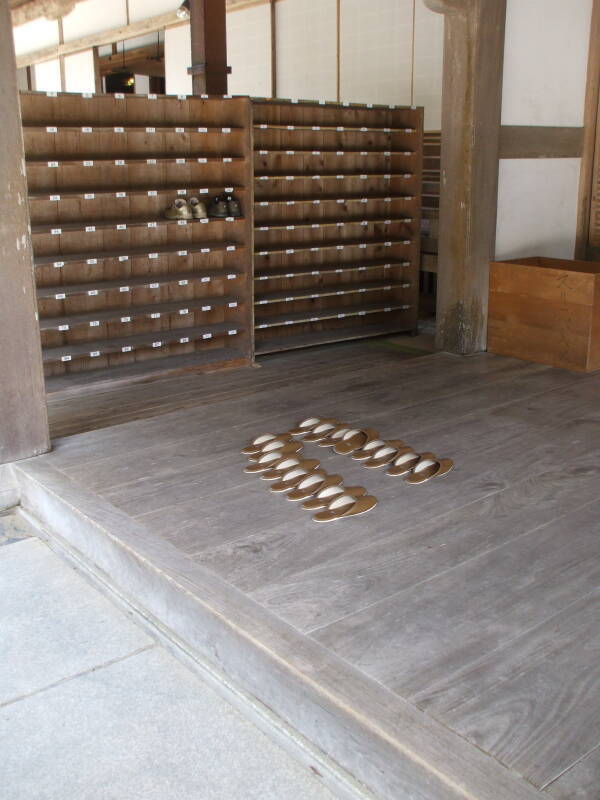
(79, 72)
(306, 53)
(376, 51)
(47, 76)
(537, 207)
(429, 64)
(545, 61)
(92, 16)
(142, 84)
(142, 9)
(249, 51)
(35, 35)
(178, 57)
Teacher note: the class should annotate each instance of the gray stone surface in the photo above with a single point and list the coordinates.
(53, 626)
(93, 709)
(142, 728)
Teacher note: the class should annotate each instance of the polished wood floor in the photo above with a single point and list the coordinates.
(475, 597)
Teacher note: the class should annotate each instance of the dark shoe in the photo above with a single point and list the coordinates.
(218, 208)
(233, 206)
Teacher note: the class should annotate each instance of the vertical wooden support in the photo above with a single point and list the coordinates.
(338, 50)
(23, 418)
(590, 138)
(209, 68)
(97, 73)
(471, 107)
(273, 48)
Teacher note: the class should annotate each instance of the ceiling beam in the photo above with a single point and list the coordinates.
(149, 25)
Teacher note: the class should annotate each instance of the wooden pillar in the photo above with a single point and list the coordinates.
(209, 68)
(273, 19)
(23, 418)
(471, 107)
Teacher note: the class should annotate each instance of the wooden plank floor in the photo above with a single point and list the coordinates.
(475, 597)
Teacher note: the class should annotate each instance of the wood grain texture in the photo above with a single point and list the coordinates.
(540, 141)
(23, 418)
(581, 782)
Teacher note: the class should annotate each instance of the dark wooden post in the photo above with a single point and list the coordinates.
(23, 418)
(209, 68)
(471, 106)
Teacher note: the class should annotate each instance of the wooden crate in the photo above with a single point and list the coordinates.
(546, 310)
(337, 221)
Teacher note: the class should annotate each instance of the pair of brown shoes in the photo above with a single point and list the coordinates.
(224, 206)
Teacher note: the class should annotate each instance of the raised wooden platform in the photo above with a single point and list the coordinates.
(445, 645)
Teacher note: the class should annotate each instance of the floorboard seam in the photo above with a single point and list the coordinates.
(509, 543)
(570, 767)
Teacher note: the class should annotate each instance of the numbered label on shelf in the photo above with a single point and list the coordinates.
(207, 335)
(123, 288)
(91, 261)
(206, 308)
(120, 194)
(125, 319)
(179, 130)
(202, 130)
(119, 129)
(121, 226)
(182, 222)
(154, 285)
(152, 193)
(231, 277)
(156, 344)
(152, 224)
(92, 292)
(63, 327)
(205, 279)
(150, 130)
(184, 339)
(65, 358)
(53, 163)
(152, 255)
(51, 129)
(232, 332)
(60, 296)
(55, 231)
(94, 323)
(59, 264)
(182, 311)
(232, 305)
(150, 161)
(86, 130)
(88, 163)
(54, 197)
(90, 228)
(123, 258)
(126, 348)
(119, 96)
(183, 282)
(182, 191)
(119, 162)
(180, 160)
(182, 252)
(94, 353)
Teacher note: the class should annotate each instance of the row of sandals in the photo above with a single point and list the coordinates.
(220, 207)
(276, 457)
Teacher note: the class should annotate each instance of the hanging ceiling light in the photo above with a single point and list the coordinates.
(183, 12)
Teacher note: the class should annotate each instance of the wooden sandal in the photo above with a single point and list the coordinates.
(291, 478)
(363, 453)
(277, 447)
(355, 439)
(334, 436)
(326, 495)
(323, 429)
(428, 467)
(274, 442)
(346, 505)
(383, 455)
(312, 484)
(404, 461)
(279, 468)
(268, 460)
(305, 426)
(260, 441)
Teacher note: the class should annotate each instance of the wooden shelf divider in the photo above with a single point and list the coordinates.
(335, 183)
(117, 282)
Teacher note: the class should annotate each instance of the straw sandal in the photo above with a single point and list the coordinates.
(327, 494)
(312, 484)
(259, 444)
(404, 461)
(306, 426)
(269, 460)
(383, 455)
(429, 467)
(346, 505)
(355, 439)
(278, 447)
(291, 478)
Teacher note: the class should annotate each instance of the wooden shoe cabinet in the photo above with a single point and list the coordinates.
(119, 286)
(327, 247)
(337, 221)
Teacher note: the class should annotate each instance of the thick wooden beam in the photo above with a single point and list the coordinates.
(209, 47)
(540, 141)
(23, 418)
(273, 21)
(591, 139)
(104, 37)
(471, 105)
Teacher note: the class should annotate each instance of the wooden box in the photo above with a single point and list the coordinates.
(546, 310)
